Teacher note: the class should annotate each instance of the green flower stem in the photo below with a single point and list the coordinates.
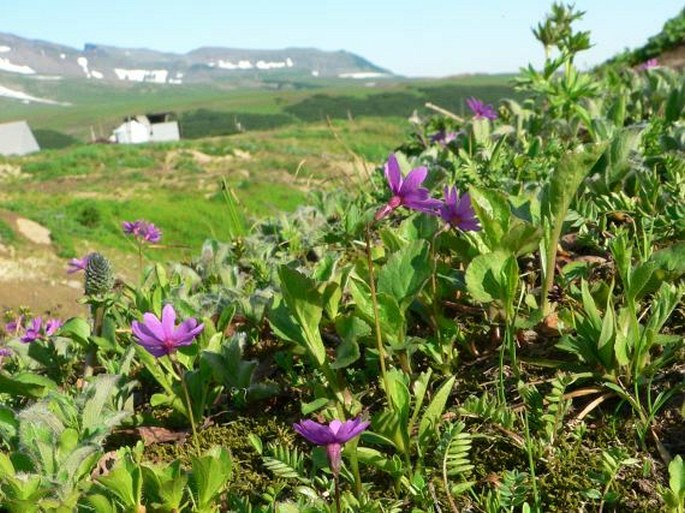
(354, 463)
(376, 317)
(189, 408)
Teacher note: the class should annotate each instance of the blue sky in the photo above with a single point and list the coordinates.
(413, 38)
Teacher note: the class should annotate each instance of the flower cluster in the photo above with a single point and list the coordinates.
(161, 336)
(30, 331)
(455, 210)
(480, 109)
(143, 231)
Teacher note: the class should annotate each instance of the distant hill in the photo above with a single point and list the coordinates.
(51, 61)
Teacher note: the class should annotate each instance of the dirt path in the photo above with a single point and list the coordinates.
(32, 276)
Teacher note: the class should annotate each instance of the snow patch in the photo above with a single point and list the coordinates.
(62, 56)
(362, 75)
(6, 65)
(83, 62)
(97, 74)
(315, 73)
(5, 49)
(246, 64)
(26, 98)
(158, 76)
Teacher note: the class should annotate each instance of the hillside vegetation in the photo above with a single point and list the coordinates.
(490, 319)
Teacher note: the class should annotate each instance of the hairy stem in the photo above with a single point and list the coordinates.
(189, 407)
(376, 317)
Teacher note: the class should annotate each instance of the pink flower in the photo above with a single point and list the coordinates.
(406, 191)
(162, 336)
(458, 211)
(332, 436)
(480, 109)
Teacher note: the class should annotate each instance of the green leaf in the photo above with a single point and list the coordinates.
(565, 180)
(431, 417)
(350, 330)
(316, 404)
(676, 473)
(26, 384)
(123, 482)
(77, 329)
(405, 273)
(211, 473)
(305, 304)
(491, 276)
(391, 317)
(493, 212)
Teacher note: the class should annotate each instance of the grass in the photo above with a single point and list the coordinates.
(210, 110)
(83, 193)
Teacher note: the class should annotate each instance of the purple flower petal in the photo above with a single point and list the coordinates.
(413, 180)
(316, 433)
(168, 321)
(393, 174)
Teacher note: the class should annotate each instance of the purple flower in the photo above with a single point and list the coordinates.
(52, 326)
(332, 436)
(152, 233)
(5, 351)
(32, 332)
(480, 109)
(406, 191)
(444, 138)
(15, 326)
(458, 211)
(649, 64)
(78, 264)
(162, 336)
(142, 230)
(131, 227)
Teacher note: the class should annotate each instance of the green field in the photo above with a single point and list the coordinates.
(211, 110)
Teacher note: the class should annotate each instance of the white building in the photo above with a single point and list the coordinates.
(150, 128)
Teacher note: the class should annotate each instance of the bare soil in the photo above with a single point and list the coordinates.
(33, 276)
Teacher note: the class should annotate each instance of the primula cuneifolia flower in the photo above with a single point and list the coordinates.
(458, 212)
(143, 231)
(162, 336)
(480, 109)
(407, 191)
(332, 436)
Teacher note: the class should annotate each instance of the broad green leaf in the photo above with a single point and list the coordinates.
(391, 317)
(305, 304)
(493, 276)
(405, 272)
(493, 212)
(77, 329)
(121, 482)
(26, 384)
(211, 473)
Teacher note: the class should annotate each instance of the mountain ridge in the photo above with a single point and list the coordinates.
(100, 62)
